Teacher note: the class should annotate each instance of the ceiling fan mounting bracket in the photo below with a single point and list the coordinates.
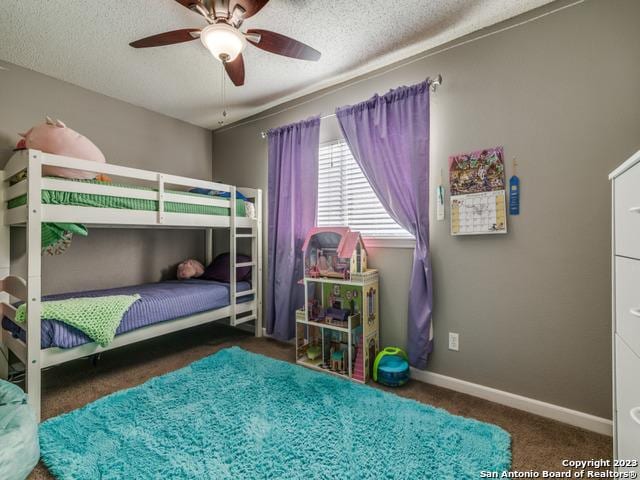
(220, 9)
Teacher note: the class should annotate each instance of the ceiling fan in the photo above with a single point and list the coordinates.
(223, 38)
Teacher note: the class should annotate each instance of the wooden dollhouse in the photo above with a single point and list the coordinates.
(334, 252)
(337, 331)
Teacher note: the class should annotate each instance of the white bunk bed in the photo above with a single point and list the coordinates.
(34, 212)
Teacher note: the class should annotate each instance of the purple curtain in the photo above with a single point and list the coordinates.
(389, 138)
(293, 199)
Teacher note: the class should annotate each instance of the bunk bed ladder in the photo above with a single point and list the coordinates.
(256, 277)
(256, 268)
(232, 255)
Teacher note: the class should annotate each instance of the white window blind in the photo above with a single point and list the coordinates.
(346, 198)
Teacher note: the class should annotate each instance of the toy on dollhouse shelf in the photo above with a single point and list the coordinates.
(334, 252)
(310, 345)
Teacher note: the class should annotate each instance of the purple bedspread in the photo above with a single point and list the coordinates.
(158, 302)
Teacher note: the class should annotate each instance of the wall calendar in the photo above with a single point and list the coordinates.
(478, 198)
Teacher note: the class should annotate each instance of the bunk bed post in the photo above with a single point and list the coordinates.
(208, 246)
(34, 278)
(257, 240)
(160, 198)
(5, 270)
(232, 254)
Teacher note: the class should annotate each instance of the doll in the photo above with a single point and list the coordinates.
(190, 269)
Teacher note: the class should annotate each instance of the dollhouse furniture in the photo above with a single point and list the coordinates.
(334, 252)
(337, 361)
(341, 306)
(314, 351)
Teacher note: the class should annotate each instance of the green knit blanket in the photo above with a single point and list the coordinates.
(56, 237)
(98, 317)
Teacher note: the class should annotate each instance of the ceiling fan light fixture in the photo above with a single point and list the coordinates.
(223, 41)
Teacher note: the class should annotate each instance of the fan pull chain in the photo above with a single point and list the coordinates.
(223, 94)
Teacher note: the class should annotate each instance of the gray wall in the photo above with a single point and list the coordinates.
(127, 135)
(532, 307)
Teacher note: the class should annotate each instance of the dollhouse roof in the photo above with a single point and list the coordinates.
(345, 246)
(349, 243)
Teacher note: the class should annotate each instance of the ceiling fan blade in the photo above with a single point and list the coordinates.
(276, 43)
(167, 38)
(250, 7)
(235, 70)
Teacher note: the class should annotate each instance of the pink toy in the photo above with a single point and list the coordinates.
(56, 138)
(190, 269)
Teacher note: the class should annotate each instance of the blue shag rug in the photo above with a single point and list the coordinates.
(240, 415)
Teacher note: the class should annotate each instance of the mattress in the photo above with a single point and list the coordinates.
(55, 197)
(158, 302)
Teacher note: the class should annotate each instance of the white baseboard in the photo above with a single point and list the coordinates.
(537, 407)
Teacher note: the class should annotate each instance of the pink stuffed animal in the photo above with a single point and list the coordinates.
(55, 137)
(190, 269)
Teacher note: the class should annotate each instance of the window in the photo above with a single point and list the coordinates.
(346, 198)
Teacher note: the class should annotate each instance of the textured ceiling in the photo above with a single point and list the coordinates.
(85, 42)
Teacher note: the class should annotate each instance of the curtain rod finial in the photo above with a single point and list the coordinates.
(434, 83)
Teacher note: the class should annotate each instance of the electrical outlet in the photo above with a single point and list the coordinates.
(454, 341)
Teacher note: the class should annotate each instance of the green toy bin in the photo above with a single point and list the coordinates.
(391, 367)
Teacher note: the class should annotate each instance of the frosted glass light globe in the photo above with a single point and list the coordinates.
(223, 41)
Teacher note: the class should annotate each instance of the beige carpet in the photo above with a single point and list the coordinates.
(538, 443)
